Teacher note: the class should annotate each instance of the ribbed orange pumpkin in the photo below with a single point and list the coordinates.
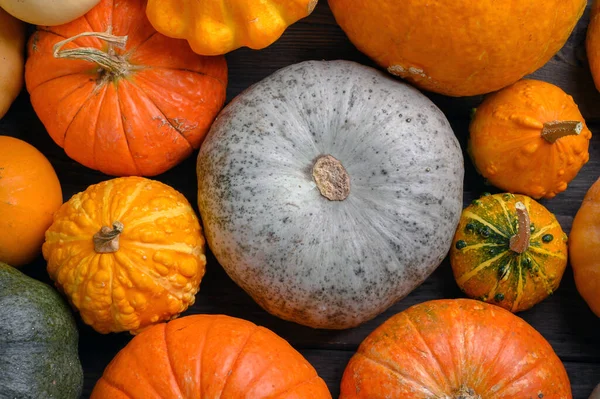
(455, 349)
(132, 102)
(529, 138)
(219, 26)
(209, 356)
(584, 248)
(459, 47)
(127, 253)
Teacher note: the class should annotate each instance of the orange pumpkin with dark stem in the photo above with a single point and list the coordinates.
(30, 193)
(459, 47)
(127, 102)
(584, 248)
(455, 349)
(529, 138)
(209, 356)
(127, 253)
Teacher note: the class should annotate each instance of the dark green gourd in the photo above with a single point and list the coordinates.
(38, 340)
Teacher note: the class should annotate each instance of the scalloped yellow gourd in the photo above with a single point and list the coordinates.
(127, 252)
(217, 27)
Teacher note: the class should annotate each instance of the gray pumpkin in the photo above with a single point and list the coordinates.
(329, 191)
(38, 340)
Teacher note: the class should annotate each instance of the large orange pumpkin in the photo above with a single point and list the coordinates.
(209, 356)
(127, 252)
(30, 193)
(127, 102)
(459, 47)
(529, 138)
(455, 349)
(584, 248)
(220, 26)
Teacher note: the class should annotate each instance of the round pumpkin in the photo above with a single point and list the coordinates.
(455, 349)
(461, 47)
(219, 26)
(329, 191)
(529, 138)
(592, 43)
(584, 248)
(127, 252)
(30, 193)
(209, 356)
(129, 102)
(41, 12)
(12, 54)
(38, 340)
(508, 250)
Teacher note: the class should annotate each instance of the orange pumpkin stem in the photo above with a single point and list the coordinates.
(520, 241)
(555, 130)
(332, 178)
(106, 241)
(109, 61)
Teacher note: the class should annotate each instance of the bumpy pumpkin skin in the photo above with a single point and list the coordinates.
(319, 262)
(157, 268)
(209, 356)
(458, 349)
(507, 146)
(486, 268)
(462, 47)
(141, 116)
(584, 248)
(38, 340)
(592, 43)
(218, 27)
(30, 193)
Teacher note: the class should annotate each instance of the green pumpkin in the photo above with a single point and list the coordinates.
(38, 340)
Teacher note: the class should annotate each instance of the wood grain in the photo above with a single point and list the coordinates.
(564, 319)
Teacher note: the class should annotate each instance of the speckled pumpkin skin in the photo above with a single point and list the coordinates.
(302, 257)
(507, 146)
(38, 340)
(157, 269)
(460, 47)
(459, 349)
(486, 268)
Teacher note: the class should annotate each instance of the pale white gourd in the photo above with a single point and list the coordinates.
(330, 263)
(47, 12)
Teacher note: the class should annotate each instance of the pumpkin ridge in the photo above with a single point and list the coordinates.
(89, 97)
(481, 245)
(481, 220)
(53, 237)
(95, 135)
(475, 271)
(121, 259)
(407, 379)
(161, 112)
(81, 287)
(545, 252)
(520, 284)
(540, 232)
(542, 271)
(234, 364)
(135, 48)
(107, 219)
(507, 384)
(114, 386)
(131, 198)
(170, 213)
(431, 352)
(200, 359)
(170, 361)
(178, 247)
(137, 168)
(509, 220)
(293, 387)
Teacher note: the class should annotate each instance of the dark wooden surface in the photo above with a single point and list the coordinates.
(564, 319)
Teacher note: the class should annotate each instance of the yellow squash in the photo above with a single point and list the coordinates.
(219, 26)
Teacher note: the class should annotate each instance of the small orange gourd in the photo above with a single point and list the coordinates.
(30, 193)
(219, 26)
(584, 248)
(209, 356)
(508, 250)
(128, 253)
(529, 138)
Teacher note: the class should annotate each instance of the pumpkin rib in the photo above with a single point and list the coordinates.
(122, 119)
(545, 252)
(519, 376)
(542, 271)
(404, 377)
(95, 133)
(475, 270)
(234, 364)
(90, 96)
(170, 361)
(140, 44)
(520, 284)
(492, 227)
(162, 113)
(544, 229)
(295, 386)
(507, 215)
(431, 352)
(131, 198)
(170, 213)
(179, 247)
